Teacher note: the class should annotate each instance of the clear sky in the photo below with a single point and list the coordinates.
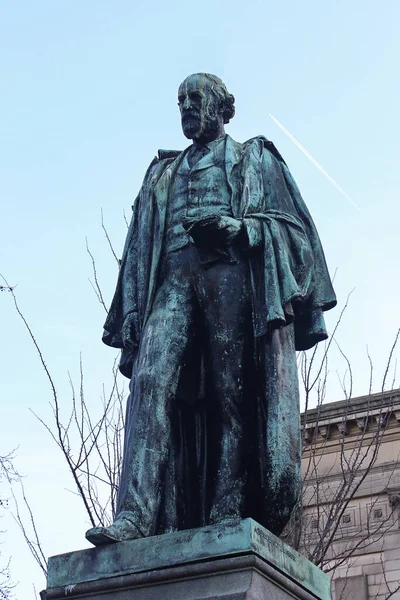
(88, 95)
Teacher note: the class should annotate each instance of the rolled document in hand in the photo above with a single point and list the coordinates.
(204, 233)
(202, 230)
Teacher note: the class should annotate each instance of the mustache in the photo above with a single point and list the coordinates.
(190, 114)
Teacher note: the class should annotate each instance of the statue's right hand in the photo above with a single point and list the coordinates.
(129, 332)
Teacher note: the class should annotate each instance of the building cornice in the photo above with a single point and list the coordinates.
(352, 417)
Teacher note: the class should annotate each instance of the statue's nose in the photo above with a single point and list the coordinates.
(186, 103)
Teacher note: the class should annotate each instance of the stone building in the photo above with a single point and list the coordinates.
(351, 473)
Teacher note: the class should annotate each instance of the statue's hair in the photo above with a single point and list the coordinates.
(220, 90)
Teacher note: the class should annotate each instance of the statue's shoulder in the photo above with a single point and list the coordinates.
(262, 143)
(159, 163)
(164, 157)
(163, 154)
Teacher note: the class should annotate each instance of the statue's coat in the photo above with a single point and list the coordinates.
(290, 289)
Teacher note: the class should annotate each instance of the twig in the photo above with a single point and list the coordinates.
(108, 238)
(95, 285)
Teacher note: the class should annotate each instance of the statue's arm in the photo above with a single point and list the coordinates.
(265, 183)
(130, 289)
(272, 198)
(119, 326)
(252, 237)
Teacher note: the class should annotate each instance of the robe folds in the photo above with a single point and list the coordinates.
(290, 289)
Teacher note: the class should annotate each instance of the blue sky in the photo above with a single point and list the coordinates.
(89, 95)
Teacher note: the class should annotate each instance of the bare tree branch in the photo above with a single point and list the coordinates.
(108, 238)
(95, 285)
(34, 544)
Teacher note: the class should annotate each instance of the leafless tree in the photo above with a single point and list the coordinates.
(9, 475)
(6, 585)
(339, 518)
(90, 444)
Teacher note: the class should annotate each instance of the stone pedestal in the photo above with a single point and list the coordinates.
(226, 562)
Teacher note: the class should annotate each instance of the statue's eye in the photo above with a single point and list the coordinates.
(180, 99)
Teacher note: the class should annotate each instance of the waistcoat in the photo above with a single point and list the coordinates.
(196, 192)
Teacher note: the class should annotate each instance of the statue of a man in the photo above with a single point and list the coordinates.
(222, 279)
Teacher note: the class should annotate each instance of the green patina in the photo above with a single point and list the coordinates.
(222, 279)
(183, 548)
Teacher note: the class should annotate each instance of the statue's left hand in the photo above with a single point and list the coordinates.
(228, 228)
(217, 229)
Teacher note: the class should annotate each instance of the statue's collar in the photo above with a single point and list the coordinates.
(209, 145)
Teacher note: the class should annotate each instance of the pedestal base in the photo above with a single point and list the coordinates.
(225, 562)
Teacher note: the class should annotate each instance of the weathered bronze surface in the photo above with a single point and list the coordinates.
(220, 562)
(222, 279)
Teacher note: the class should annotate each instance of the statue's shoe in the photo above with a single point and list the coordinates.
(120, 531)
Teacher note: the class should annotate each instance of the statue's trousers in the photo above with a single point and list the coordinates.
(198, 311)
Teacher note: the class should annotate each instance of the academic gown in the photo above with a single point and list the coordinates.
(290, 289)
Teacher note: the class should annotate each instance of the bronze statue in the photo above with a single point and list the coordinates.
(222, 279)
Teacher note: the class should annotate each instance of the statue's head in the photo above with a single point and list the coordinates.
(205, 105)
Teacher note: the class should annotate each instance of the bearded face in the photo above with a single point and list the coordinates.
(201, 113)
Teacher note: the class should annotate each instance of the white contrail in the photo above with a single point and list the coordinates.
(314, 162)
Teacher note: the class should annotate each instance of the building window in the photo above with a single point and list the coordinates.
(346, 519)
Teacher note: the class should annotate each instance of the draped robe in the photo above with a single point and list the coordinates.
(290, 289)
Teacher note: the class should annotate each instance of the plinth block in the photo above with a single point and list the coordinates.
(233, 561)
